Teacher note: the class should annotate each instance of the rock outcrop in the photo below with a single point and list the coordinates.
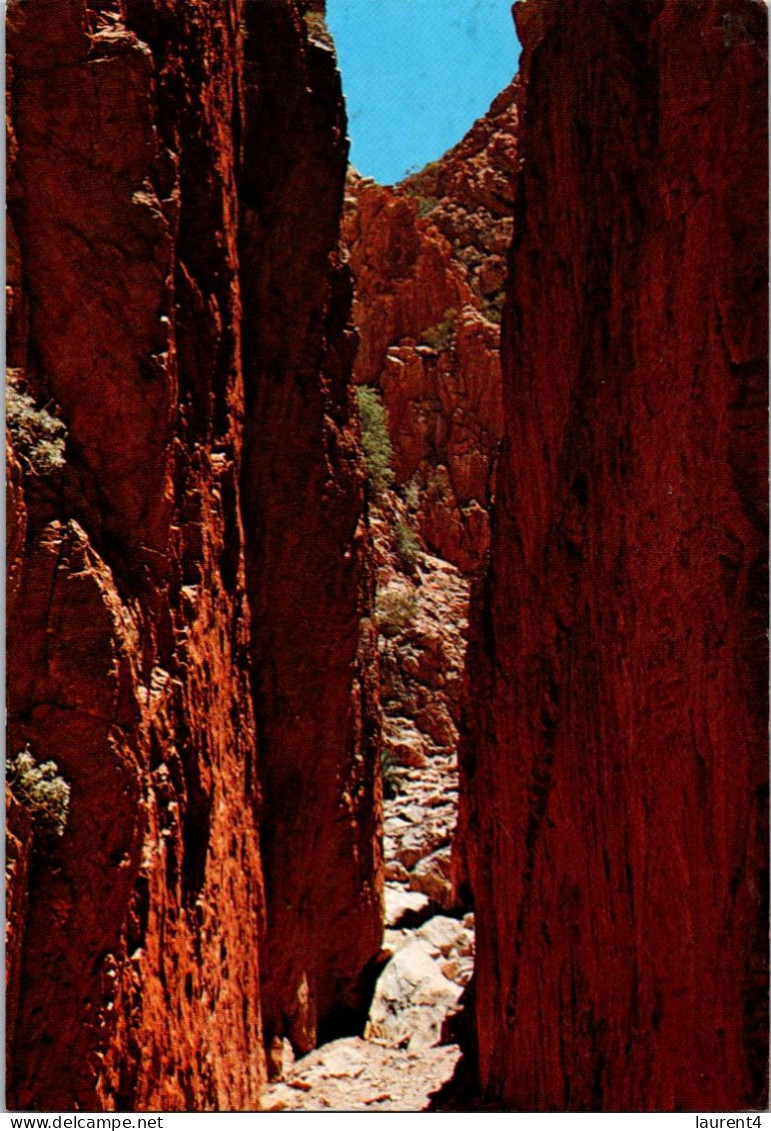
(617, 766)
(18, 851)
(468, 194)
(144, 526)
(429, 335)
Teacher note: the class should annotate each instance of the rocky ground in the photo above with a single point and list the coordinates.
(428, 944)
(357, 1075)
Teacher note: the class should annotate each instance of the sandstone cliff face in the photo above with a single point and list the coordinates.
(135, 968)
(314, 669)
(128, 641)
(434, 356)
(617, 766)
(468, 194)
(403, 270)
(18, 850)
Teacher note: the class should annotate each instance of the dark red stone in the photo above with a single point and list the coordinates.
(617, 771)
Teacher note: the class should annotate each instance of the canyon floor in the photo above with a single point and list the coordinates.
(352, 1074)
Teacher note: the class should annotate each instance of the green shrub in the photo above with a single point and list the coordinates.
(38, 437)
(492, 308)
(395, 609)
(407, 546)
(393, 775)
(439, 336)
(316, 24)
(426, 205)
(410, 492)
(38, 786)
(375, 440)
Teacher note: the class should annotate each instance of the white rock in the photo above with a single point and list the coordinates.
(341, 1061)
(412, 999)
(413, 814)
(398, 901)
(443, 934)
(432, 877)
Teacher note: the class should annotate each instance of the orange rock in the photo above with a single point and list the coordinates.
(133, 659)
(18, 849)
(435, 358)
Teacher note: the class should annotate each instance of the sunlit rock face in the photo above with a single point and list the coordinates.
(616, 770)
(428, 262)
(429, 344)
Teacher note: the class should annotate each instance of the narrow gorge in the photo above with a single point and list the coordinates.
(386, 571)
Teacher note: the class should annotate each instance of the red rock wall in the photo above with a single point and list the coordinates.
(314, 655)
(468, 194)
(617, 769)
(127, 645)
(130, 642)
(18, 851)
(426, 344)
(405, 278)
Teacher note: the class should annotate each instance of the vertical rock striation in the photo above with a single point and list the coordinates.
(137, 942)
(314, 652)
(139, 982)
(616, 773)
(434, 355)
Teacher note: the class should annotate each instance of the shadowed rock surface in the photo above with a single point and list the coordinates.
(429, 329)
(314, 658)
(617, 766)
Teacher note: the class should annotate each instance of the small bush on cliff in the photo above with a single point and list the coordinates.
(375, 440)
(438, 337)
(407, 546)
(38, 437)
(492, 308)
(316, 24)
(426, 205)
(38, 786)
(395, 610)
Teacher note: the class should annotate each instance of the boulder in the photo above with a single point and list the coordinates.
(431, 876)
(412, 999)
(400, 903)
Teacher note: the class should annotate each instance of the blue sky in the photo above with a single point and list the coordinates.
(416, 74)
